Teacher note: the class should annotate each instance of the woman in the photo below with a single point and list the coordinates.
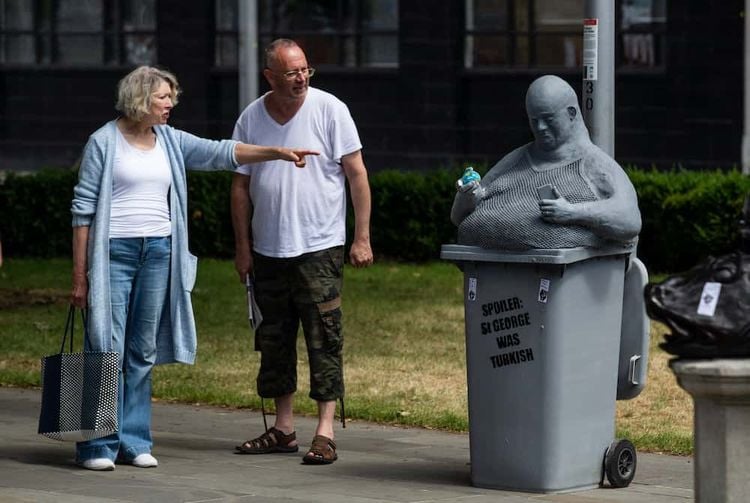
(131, 263)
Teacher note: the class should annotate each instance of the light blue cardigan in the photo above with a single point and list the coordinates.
(92, 200)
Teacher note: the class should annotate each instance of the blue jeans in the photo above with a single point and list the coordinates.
(139, 284)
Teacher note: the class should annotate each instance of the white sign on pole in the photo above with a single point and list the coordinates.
(590, 48)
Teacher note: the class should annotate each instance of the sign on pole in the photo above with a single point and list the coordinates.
(598, 96)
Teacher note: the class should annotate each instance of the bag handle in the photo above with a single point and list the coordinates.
(70, 327)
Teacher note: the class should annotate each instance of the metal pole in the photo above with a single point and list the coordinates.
(248, 52)
(746, 87)
(598, 96)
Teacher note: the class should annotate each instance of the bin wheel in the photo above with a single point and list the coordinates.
(620, 462)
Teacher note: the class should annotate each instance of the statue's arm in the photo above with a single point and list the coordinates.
(615, 215)
(465, 201)
(468, 196)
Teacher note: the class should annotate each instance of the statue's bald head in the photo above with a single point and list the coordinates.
(550, 93)
(554, 116)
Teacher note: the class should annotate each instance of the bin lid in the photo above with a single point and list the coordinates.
(463, 253)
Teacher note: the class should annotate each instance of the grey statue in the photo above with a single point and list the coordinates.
(707, 308)
(559, 191)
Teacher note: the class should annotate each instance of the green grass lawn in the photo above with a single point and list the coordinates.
(404, 349)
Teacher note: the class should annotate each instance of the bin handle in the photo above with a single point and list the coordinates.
(631, 369)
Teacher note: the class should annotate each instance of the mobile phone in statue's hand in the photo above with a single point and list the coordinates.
(546, 192)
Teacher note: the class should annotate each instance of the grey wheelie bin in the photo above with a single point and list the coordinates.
(542, 351)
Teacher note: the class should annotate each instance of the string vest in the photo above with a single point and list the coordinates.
(508, 217)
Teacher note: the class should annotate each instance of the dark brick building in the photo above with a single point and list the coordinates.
(429, 82)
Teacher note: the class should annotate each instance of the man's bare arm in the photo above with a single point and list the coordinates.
(360, 253)
(241, 212)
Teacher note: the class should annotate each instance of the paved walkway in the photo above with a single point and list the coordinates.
(195, 444)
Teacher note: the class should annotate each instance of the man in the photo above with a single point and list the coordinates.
(296, 249)
(560, 191)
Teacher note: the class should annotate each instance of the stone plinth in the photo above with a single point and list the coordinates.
(721, 395)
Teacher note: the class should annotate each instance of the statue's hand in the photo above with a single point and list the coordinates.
(468, 195)
(466, 187)
(469, 178)
(558, 210)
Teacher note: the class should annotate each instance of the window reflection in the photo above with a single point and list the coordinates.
(225, 44)
(78, 24)
(140, 49)
(78, 32)
(523, 33)
(16, 35)
(380, 27)
(76, 16)
(333, 32)
(639, 19)
(548, 33)
(139, 23)
(559, 30)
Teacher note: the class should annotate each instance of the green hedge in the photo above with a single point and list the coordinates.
(686, 215)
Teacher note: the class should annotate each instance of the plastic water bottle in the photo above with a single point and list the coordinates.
(468, 176)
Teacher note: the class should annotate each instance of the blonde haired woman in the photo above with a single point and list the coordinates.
(131, 265)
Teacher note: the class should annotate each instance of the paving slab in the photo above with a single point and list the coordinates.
(195, 448)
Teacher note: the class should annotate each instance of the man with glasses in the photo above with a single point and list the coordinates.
(289, 238)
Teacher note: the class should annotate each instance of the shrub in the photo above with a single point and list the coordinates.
(209, 214)
(411, 213)
(687, 215)
(35, 214)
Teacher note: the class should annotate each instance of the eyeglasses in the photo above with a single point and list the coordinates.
(292, 74)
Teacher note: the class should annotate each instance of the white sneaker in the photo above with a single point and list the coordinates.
(99, 464)
(145, 460)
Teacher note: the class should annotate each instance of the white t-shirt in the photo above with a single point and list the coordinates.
(299, 210)
(140, 185)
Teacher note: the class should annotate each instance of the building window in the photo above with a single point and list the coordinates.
(642, 29)
(346, 33)
(226, 52)
(78, 32)
(549, 33)
(16, 32)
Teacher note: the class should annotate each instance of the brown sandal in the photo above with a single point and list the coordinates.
(273, 440)
(322, 451)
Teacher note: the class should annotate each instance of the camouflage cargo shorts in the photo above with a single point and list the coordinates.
(290, 291)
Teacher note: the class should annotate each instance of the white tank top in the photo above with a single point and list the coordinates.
(140, 187)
